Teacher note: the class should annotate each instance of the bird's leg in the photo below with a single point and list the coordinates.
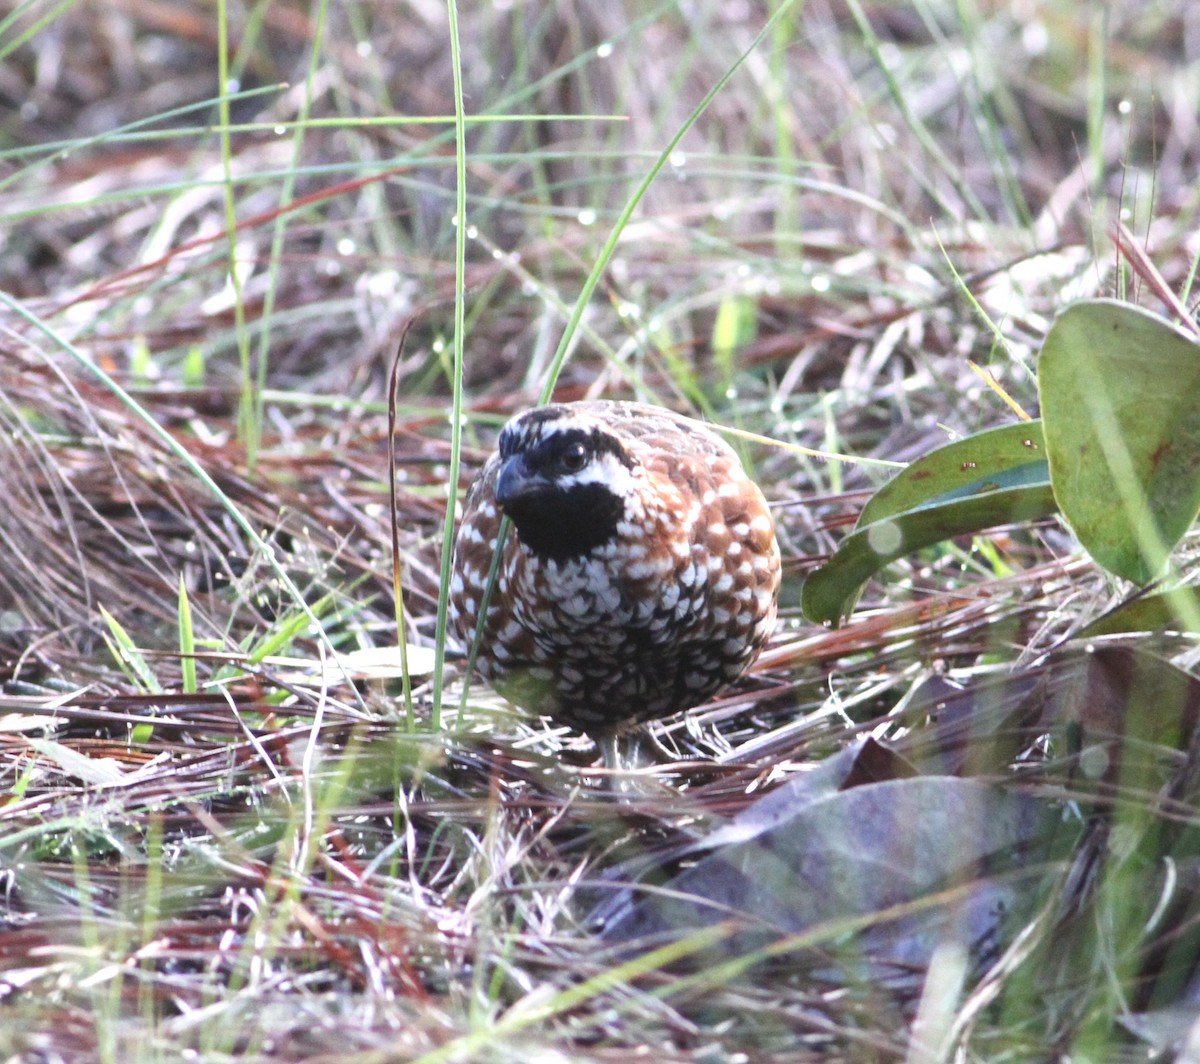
(623, 754)
(621, 751)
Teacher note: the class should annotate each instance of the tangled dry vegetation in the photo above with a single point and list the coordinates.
(216, 840)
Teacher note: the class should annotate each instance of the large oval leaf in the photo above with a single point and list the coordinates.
(992, 478)
(1120, 393)
(1005, 457)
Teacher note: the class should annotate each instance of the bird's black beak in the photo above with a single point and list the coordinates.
(517, 483)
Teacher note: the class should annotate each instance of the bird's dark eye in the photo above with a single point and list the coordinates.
(574, 458)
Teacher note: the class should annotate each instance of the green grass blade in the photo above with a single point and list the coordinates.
(460, 258)
(187, 640)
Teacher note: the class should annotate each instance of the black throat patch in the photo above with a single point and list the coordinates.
(558, 515)
(560, 524)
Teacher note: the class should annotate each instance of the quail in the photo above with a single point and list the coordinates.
(640, 574)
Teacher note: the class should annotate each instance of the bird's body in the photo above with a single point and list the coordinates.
(639, 577)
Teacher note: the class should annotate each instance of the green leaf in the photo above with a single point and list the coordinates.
(1176, 609)
(134, 665)
(128, 656)
(1007, 457)
(965, 487)
(287, 630)
(1120, 393)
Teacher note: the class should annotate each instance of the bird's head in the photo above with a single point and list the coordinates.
(564, 480)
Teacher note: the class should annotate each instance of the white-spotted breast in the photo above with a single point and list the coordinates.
(640, 574)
